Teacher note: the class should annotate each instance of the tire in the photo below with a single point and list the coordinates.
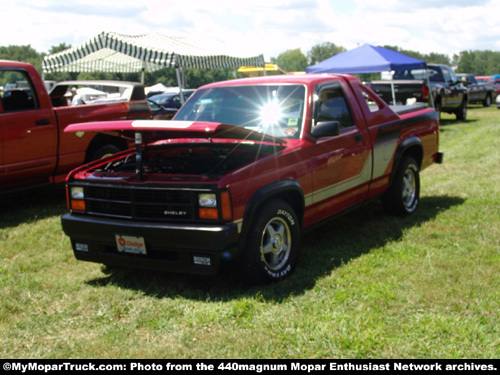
(487, 101)
(461, 112)
(437, 107)
(104, 151)
(403, 196)
(272, 243)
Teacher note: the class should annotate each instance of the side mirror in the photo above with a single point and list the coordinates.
(326, 129)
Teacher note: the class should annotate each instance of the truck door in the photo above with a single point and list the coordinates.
(28, 133)
(454, 88)
(341, 166)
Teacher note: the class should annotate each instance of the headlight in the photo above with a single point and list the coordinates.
(207, 200)
(76, 198)
(77, 193)
(214, 207)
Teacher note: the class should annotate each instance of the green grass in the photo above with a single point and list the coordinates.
(367, 285)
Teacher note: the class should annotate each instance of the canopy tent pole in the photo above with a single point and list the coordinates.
(180, 82)
(392, 88)
(143, 70)
(430, 88)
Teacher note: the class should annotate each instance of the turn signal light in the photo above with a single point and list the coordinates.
(226, 206)
(208, 213)
(78, 205)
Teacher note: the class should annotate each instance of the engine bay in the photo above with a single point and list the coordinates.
(207, 159)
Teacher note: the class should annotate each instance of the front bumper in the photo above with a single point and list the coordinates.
(169, 247)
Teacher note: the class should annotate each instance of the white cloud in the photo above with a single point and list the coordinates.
(261, 26)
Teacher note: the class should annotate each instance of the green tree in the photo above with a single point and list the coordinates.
(292, 60)
(479, 62)
(193, 78)
(431, 58)
(61, 47)
(323, 51)
(23, 54)
(437, 58)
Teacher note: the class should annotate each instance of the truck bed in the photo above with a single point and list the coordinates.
(402, 109)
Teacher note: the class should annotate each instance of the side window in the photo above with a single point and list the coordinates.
(332, 106)
(453, 77)
(435, 74)
(372, 104)
(17, 93)
(447, 77)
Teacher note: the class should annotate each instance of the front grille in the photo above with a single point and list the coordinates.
(141, 203)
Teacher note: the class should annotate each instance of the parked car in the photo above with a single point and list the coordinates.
(34, 149)
(496, 82)
(170, 99)
(448, 93)
(165, 105)
(158, 112)
(242, 169)
(491, 80)
(479, 92)
(498, 101)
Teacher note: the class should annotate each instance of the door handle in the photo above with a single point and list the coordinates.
(358, 137)
(42, 122)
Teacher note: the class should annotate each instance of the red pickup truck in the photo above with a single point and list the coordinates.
(242, 169)
(33, 146)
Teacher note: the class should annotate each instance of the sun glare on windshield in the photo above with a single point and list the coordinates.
(270, 113)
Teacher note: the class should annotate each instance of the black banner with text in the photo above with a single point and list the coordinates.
(259, 366)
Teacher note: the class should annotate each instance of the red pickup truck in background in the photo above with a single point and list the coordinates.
(242, 169)
(34, 149)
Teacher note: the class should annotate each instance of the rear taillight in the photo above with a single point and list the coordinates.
(425, 92)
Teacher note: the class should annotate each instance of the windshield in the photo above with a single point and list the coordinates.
(276, 110)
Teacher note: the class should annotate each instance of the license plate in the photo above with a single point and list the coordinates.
(130, 244)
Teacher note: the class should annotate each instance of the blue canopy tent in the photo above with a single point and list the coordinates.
(367, 59)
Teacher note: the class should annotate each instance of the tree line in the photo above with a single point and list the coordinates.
(477, 62)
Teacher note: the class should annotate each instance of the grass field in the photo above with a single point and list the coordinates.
(367, 285)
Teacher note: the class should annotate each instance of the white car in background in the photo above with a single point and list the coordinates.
(498, 101)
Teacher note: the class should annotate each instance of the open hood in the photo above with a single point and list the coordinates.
(153, 130)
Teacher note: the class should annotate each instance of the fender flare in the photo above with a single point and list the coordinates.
(410, 146)
(288, 190)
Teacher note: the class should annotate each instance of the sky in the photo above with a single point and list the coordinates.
(268, 27)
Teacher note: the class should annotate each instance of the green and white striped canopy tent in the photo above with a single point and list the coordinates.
(118, 53)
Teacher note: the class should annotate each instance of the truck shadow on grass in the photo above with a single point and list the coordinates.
(31, 205)
(324, 249)
(446, 122)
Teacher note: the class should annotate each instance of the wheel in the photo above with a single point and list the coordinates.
(487, 101)
(103, 152)
(437, 107)
(273, 243)
(403, 195)
(461, 112)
